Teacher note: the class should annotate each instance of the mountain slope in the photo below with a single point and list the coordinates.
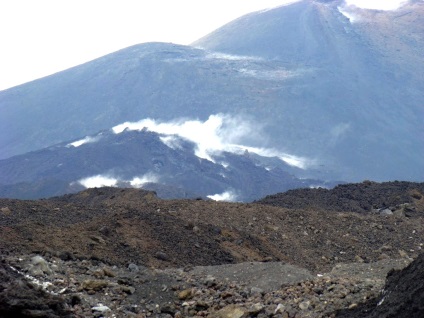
(366, 82)
(319, 86)
(144, 159)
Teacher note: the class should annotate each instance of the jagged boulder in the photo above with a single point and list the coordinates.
(402, 296)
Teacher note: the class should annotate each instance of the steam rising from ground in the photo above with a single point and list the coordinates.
(171, 141)
(98, 181)
(109, 181)
(377, 5)
(217, 134)
(83, 141)
(228, 196)
(138, 182)
(349, 14)
(350, 7)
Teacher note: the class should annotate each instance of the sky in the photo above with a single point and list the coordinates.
(38, 38)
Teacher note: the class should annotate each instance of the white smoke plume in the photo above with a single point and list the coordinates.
(227, 196)
(98, 181)
(350, 8)
(217, 134)
(171, 141)
(348, 13)
(138, 182)
(386, 5)
(109, 181)
(86, 140)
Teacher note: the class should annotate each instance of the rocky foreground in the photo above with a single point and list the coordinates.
(125, 253)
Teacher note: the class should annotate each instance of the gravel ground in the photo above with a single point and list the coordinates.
(94, 289)
(125, 253)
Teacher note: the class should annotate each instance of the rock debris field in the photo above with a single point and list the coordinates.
(112, 252)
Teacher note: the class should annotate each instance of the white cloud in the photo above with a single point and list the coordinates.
(228, 196)
(98, 181)
(217, 134)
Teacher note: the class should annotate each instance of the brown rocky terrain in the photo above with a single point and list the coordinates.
(404, 197)
(124, 252)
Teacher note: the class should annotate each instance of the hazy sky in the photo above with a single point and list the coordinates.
(40, 37)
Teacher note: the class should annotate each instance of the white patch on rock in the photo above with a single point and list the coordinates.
(277, 74)
(101, 308)
(230, 57)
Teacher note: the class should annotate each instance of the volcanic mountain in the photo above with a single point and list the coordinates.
(336, 85)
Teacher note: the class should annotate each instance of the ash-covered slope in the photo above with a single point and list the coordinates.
(360, 94)
(346, 95)
(327, 33)
(144, 159)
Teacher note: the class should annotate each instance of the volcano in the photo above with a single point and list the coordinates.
(340, 86)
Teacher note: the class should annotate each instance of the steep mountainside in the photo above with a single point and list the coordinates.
(346, 95)
(352, 99)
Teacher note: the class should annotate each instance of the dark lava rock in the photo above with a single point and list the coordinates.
(402, 296)
(19, 298)
(353, 197)
(162, 256)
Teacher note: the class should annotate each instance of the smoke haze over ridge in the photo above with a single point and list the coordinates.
(217, 134)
